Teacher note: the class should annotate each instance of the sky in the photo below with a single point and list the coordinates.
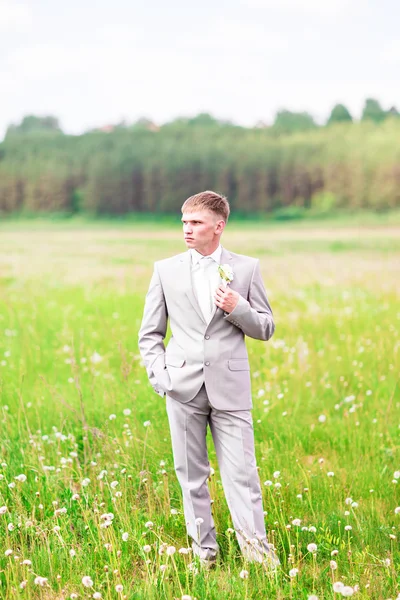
(92, 63)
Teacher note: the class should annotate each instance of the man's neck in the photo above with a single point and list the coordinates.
(209, 250)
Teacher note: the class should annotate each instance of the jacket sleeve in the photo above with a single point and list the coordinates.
(152, 333)
(254, 316)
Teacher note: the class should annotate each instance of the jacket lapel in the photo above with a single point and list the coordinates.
(186, 266)
(226, 258)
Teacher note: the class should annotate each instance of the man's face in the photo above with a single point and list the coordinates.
(202, 229)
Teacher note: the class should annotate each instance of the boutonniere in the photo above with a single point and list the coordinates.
(226, 274)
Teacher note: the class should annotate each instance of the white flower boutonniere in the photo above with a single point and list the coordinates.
(226, 274)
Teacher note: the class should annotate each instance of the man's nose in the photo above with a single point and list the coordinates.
(187, 229)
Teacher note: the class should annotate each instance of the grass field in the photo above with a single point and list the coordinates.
(83, 436)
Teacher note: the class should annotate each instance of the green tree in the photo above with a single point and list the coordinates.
(34, 124)
(339, 114)
(373, 111)
(291, 122)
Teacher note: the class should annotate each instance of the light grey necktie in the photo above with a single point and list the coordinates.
(205, 296)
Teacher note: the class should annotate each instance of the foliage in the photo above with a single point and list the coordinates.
(144, 168)
(339, 114)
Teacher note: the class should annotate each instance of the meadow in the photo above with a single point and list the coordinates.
(89, 503)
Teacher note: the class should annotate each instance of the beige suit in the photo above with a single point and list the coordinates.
(205, 374)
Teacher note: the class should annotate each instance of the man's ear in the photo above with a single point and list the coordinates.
(220, 226)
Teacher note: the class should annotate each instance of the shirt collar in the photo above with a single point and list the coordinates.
(196, 256)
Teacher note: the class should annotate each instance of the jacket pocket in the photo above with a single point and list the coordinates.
(238, 364)
(174, 361)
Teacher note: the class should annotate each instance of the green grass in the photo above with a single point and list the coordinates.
(68, 293)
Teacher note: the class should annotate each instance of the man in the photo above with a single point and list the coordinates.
(205, 375)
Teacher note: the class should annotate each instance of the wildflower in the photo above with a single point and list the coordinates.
(149, 524)
(348, 500)
(119, 588)
(87, 581)
(147, 548)
(268, 483)
(86, 482)
(127, 412)
(97, 596)
(8, 552)
(330, 474)
(174, 511)
(338, 586)
(348, 528)
(72, 553)
(3, 510)
(334, 552)
(322, 418)
(21, 478)
(171, 550)
(312, 547)
(387, 562)
(199, 521)
(10, 527)
(40, 580)
(354, 505)
(397, 510)
(163, 568)
(75, 497)
(186, 597)
(396, 474)
(23, 584)
(96, 358)
(114, 484)
(333, 565)
(277, 474)
(183, 550)
(312, 529)
(244, 574)
(60, 511)
(293, 572)
(147, 424)
(125, 536)
(73, 596)
(27, 562)
(296, 522)
(312, 597)
(347, 591)
(112, 417)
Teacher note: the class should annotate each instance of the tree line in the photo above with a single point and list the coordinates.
(143, 168)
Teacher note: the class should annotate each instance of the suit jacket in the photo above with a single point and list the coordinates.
(197, 352)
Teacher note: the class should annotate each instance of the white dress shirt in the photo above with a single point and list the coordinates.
(206, 279)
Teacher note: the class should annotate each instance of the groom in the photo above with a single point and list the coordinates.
(204, 372)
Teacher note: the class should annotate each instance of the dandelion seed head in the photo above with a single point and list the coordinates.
(293, 572)
(87, 581)
(244, 574)
(312, 547)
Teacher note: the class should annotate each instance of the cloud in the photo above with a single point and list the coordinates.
(391, 52)
(320, 8)
(14, 16)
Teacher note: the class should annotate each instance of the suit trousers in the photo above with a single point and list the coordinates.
(233, 438)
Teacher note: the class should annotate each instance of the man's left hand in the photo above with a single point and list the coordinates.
(226, 298)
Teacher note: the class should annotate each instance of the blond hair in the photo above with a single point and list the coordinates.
(208, 200)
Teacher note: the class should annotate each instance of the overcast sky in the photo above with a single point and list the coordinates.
(97, 62)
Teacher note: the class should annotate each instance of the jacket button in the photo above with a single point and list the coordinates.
(207, 337)
(207, 364)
